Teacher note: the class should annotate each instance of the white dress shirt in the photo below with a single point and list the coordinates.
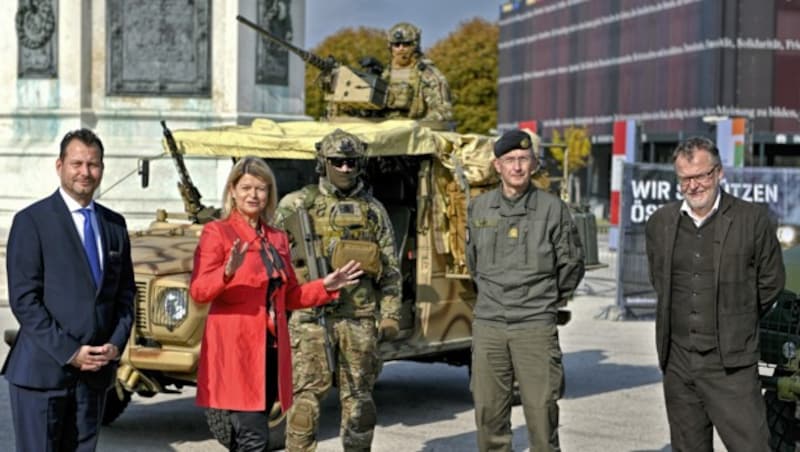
(78, 218)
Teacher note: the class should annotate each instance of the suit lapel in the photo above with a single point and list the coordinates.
(670, 233)
(105, 238)
(721, 231)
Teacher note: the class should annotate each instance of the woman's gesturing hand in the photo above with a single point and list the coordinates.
(235, 259)
(346, 275)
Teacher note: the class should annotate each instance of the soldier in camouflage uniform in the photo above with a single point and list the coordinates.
(342, 211)
(417, 89)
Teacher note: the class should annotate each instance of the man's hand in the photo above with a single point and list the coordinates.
(91, 358)
(388, 329)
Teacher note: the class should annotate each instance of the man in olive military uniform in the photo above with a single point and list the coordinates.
(350, 224)
(525, 256)
(417, 89)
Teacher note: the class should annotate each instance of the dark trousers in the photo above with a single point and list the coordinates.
(701, 394)
(531, 356)
(251, 428)
(56, 420)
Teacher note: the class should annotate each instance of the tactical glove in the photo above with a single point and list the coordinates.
(388, 329)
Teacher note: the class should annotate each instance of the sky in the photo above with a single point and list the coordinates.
(436, 18)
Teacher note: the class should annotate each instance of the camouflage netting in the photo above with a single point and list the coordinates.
(459, 160)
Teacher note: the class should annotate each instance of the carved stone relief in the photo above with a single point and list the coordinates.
(37, 38)
(272, 61)
(160, 47)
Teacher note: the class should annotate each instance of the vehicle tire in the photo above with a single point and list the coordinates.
(219, 423)
(784, 431)
(114, 405)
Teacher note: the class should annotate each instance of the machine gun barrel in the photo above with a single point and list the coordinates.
(323, 64)
(189, 193)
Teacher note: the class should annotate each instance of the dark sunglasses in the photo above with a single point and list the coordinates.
(339, 162)
(402, 43)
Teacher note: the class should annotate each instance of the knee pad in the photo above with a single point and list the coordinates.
(303, 416)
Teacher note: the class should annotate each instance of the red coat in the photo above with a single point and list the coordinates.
(232, 357)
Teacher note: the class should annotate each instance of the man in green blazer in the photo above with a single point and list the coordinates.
(716, 266)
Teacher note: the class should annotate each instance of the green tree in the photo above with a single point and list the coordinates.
(348, 46)
(468, 58)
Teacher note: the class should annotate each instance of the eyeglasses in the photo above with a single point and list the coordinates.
(339, 162)
(402, 43)
(510, 161)
(702, 178)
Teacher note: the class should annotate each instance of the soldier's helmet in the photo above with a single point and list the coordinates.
(405, 32)
(340, 144)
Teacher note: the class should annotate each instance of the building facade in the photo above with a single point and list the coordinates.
(121, 66)
(673, 66)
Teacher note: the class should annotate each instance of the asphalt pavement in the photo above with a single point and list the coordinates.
(613, 400)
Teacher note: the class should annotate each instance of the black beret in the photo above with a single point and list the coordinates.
(511, 140)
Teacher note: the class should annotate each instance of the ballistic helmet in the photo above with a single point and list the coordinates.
(405, 32)
(341, 144)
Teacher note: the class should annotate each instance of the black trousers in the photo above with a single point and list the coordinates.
(56, 420)
(701, 394)
(251, 428)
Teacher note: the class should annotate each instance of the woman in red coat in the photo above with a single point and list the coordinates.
(242, 267)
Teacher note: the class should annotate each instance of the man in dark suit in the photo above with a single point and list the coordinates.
(717, 267)
(71, 287)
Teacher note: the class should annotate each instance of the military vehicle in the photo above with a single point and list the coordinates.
(779, 336)
(423, 175)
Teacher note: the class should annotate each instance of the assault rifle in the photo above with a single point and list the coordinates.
(307, 253)
(343, 86)
(191, 196)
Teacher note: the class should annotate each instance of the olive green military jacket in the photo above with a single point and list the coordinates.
(748, 275)
(371, 297)
(524, 259)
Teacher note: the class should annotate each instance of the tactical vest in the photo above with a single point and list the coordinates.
(405, 91)
(336, 219)
(401, 88)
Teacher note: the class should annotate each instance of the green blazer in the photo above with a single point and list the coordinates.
(748, 275)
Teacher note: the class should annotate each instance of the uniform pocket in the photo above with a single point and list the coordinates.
(540, 254)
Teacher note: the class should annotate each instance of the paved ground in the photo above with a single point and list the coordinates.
(613, 399)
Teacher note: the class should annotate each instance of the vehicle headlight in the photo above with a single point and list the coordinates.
(787, 235)
(171, 307)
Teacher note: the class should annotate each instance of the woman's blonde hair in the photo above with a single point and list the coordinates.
(256, 167)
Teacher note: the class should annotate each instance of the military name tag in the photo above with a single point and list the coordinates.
(348, 213)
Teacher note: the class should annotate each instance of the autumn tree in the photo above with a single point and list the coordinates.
(468, 58)
(347, 46)
(572, 150)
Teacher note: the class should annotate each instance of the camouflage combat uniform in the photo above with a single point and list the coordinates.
(420, 92)
(351, 320)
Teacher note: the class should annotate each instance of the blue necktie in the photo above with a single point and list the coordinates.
(90, 245)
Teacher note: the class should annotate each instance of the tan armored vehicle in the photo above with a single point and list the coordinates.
(423, 177)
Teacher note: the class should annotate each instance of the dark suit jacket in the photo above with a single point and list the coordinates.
(748, 274)
(52, 295)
